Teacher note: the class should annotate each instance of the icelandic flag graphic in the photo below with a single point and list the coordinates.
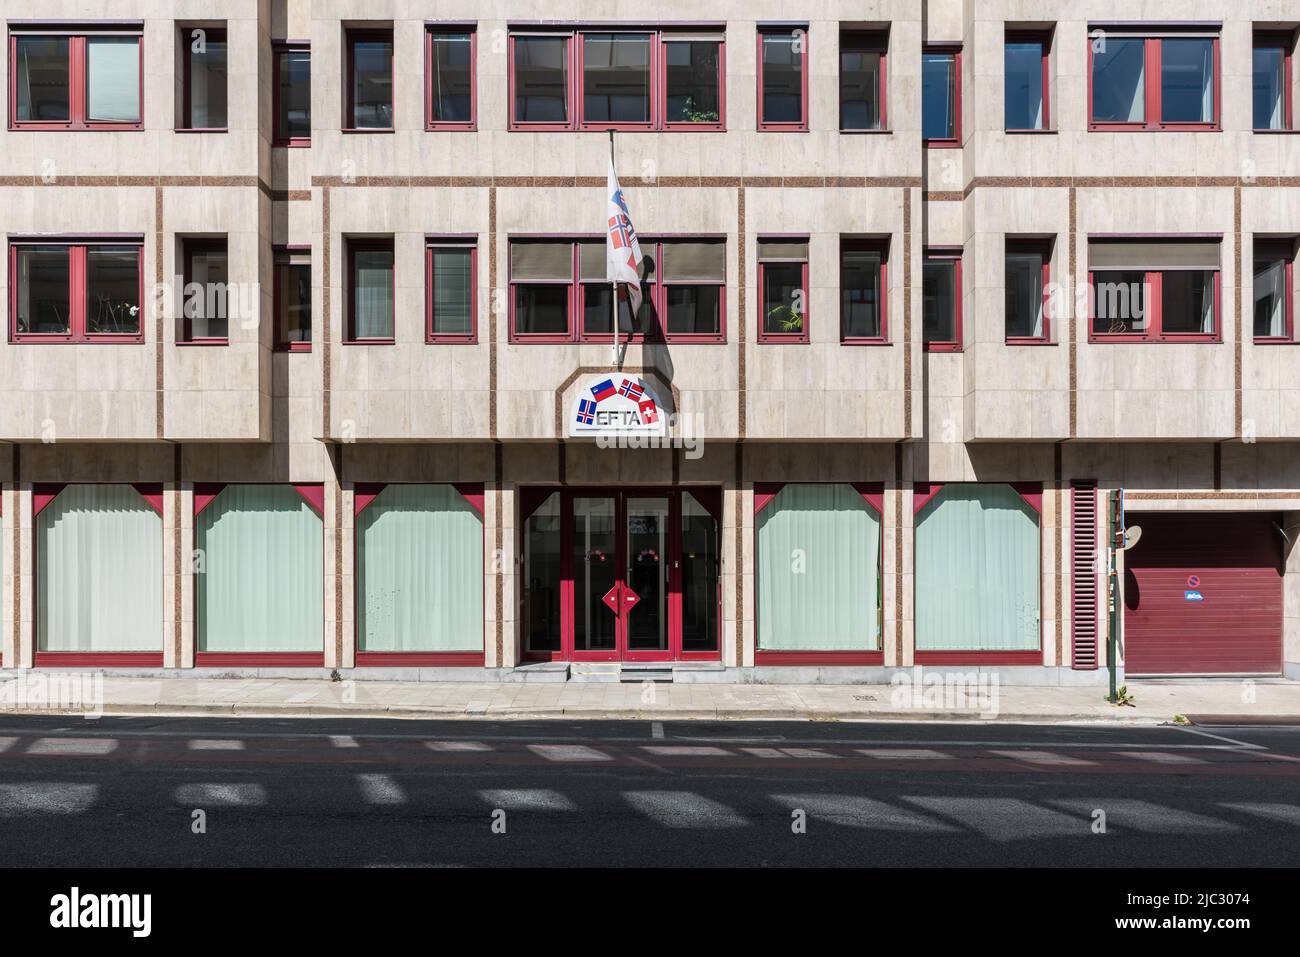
(586, 411)
(631, 390)
(648, 413)
(603, 390)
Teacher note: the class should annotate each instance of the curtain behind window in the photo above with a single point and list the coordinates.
(99, 573)
(261, 587)
(1270, 298)
(977, 578)
(113, 79)
(452, 292)
(420, 571)
(818, 567)
(374, 292)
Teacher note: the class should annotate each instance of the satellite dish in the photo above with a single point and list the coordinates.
(1132, 535)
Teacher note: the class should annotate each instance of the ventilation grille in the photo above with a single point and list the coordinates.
(1084, 565)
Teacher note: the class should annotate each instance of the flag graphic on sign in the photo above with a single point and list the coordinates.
(631, 390)
(586, 412)
(648, 413)
(603, 390)
(622, 251)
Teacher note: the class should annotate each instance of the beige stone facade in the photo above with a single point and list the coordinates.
(1190, 426)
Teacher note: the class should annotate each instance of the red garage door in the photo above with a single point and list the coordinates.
(1203, 595)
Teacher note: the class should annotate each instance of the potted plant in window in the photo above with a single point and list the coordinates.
(787, 318)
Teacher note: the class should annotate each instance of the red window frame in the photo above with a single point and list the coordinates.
(78, 80)
(1152, 87)
(187, 54)
(576, 302)
(457, 29)
(279, 49)
(772, 126)
(953, 50)
(1284, 249)
(1043, 248)
(188, 248)
(351, 38)
(282, 344)
(354, 245)
(1284, 41)
(574, 100)
(954, 256)
(77, 290)
(871, 245)
(1044, 40)
(777, 338)
(870, 41)
(1154, 331)
(450, 242)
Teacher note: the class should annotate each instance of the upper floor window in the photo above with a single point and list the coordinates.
(648, 80)
(293, 299)
(1271, 80)
(292, 94)
(204, 84)
(941, 300)
(783, 79)
(862, 80)
(1140, 81)
(1154, 290)
(783, 289)
(941, 96)
(1027, 90)
(1027, 266)
(76, 292)
(450, 57)
(1274, 284)
(207, 296)
(62, 81)
(863, 290)
(450, 285)
(371, 290)
(369, 80)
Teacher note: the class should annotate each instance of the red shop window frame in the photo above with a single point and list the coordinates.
(1155, 309)
(354, 246)
(279, 49)
(869, 41)
(188, 248)
(870, 245)
(1284, 41)
(77, 291)
(430, 31)
(281, 344)
(78, 81)
(801, 32)
(953, 50)
(1043, 248)
(1283, 249)
(791, 338)
(1044, 40)
(873, 493)
(211, 34)
(954, 256)
(1151, 90)
(351, 39)
(469, 243)
(364, 494)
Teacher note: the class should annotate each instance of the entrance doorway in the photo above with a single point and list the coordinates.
(628, 575)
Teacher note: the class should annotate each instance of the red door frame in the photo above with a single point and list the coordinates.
(709, 497)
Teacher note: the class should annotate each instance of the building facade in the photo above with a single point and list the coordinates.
(309, 360)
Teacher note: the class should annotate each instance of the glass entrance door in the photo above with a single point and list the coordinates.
(646, 576)
(595, 569)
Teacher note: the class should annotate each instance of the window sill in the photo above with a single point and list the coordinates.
(941, 144)
(357, 129)
(23, 339)
(202, 129)
(864, 341)
(1031, 132)
(943, 347)
(1276, 132)
(1156, 340)
(855, 132)
(300, 347)
(296, 143)
(776, 339)
(788, 128)
(435, 340)
(204, 342)
(75, 127)
(369, 342)
(1027, 341)
(1274, 341)
(1154, 128)
(451, 127)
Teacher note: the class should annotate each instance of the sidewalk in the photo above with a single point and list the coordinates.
(1155, 701)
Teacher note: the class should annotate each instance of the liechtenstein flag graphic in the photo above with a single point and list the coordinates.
(603, 390)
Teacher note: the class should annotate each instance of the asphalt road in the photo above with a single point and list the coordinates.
(124, 791)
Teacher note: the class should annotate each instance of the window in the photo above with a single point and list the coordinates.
(1169, 81)
(1028, 263)
(682, 289)
(1154, 290)
(371, 292)
(450, 57)
(783, 79)
(204, 106)
(292, 93)
(863, 290)
(646, 80)
(450, 280)
(75, 81)
(941, 96)
(1027, 88)
(1274, 284)
(782, 289)
(293, 299)
(862, 81)
(206, 292)
(1271, 81)
(76, 292)
(941, 300)
(369, 80)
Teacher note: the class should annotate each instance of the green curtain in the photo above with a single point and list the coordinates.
(99, 571)
(420, 571)
(977, 557)
(818, 564)
(261, 587)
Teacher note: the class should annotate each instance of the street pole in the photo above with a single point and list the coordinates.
(1113, 588)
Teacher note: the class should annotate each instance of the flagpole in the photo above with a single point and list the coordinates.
(613, 283)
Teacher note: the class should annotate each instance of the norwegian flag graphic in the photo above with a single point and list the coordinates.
(631, 390)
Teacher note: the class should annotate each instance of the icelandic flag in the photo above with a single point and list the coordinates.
(622, 251)
(631, 390)
(586, 411)
(603, 390)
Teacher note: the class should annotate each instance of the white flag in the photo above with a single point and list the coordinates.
(622, 251)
